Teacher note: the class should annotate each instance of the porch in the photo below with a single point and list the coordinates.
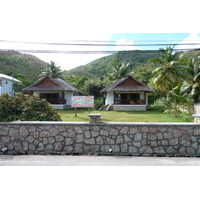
(129, 98)
(54, 98)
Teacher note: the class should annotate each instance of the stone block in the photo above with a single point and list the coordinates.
(17, 146)
(159, 150)
(160, 136)
(13, 132)
(168, 135)
(59, 138)
(32, 129)
(78, 129)
(138, 137)
(89, 141)
(124, 148)
(54, 132)
(182, 150)
(23, 131)
(5, 139)
(104, 132)
(78, 148)
(69, 141)
(62, 128)
(173, 141)
(44, 134)
(49, 147)
(119, 140)
(31, 147)
(94, 133)
(79, 138)
(132, 149)
(146, 150)
(124, 130)
(99, 140)
(145, 129)
(58, 146)
(134, 130)
(71, 133)
(162, 129)
(137, 144)
(114, 131)
(154, 143)
(171, 150)
(110, 141)
(152, 136)
(30, 139)
(190, 151)
(87, 134)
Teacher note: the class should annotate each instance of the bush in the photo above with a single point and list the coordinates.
(98, 103)
(26, 108)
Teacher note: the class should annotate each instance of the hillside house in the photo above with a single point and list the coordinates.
(55, 90)
(126, 94)
(6, 84)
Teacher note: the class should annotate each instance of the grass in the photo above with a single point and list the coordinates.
(151, 115)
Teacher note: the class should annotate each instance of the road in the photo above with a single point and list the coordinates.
(83, 160)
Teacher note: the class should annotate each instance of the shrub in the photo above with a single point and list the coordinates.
(98, 103)
(26, 108)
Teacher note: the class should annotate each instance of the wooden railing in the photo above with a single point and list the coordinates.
(56, 101)
(130, 102)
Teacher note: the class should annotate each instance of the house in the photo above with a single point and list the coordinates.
(6, 84)
(55, 90)
(126, 94)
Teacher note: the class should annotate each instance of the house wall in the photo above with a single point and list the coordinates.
(109, 98)
(7, 87)
(134, 139)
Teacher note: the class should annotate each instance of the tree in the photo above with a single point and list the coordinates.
(175, 101)
(143, 73)
(117, 69)
(191, 86)
(52, 70)
(168, 74)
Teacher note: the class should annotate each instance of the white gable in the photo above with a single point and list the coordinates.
(10, 78)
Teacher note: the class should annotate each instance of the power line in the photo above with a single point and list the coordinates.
(109, 43)
(80, 52)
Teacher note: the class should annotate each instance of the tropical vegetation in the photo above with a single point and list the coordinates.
(26, 108)
(174, 75)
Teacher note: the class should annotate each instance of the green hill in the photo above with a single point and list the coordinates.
(97, 68)
(26, 64)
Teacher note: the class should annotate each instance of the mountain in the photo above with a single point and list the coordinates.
(13, 62)
(97, 68)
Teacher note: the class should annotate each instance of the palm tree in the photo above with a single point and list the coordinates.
(117, 69)
(52, 70)
(191, 86)
(168, 74)
(175, 101)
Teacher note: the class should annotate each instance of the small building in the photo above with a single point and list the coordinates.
(126, 94)
(55, 90)
(6, 84)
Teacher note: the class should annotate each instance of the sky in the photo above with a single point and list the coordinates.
(47, 26)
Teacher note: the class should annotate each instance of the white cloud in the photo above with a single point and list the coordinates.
(129, 43)
(186, 43)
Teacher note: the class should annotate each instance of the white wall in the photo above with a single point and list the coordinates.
(6, 87)
(109, 98)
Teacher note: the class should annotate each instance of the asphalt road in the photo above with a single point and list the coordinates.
(68, 160)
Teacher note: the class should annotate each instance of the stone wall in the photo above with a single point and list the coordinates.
(144, 139)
